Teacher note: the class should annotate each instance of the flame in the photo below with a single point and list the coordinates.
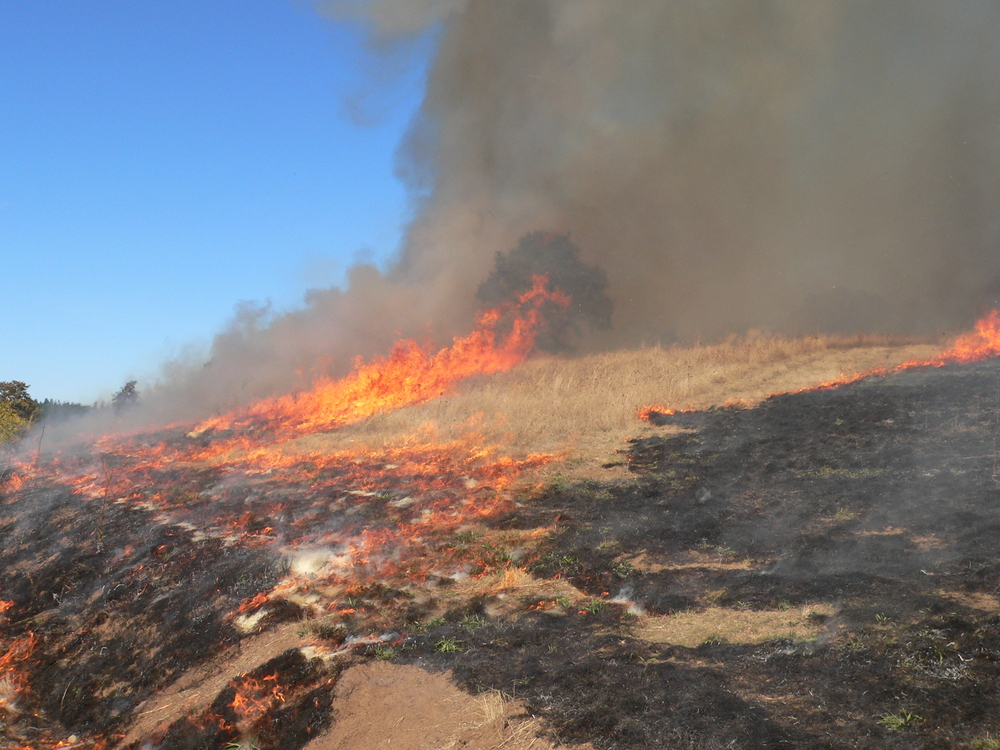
(255, 698)
(978, 345)
(352, 517)
(411, 374)
(647, 413)
(14, 680)
(982, 343)
(13, 482)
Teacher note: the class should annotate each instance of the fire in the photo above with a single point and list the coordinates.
(344, 519)
(13, 682)
(978, 345)
(255, 698)
(13, 482)
(646, 413)
(411, 374)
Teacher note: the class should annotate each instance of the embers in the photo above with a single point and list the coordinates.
(280, 704)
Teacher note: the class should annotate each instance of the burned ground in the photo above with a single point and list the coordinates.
(879, 499)
(116, 605)
(868, 511)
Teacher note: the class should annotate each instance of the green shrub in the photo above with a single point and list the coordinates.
(11, 424)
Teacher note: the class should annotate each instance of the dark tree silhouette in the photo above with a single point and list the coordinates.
(56, 411)
(126, 397)
(554, 256)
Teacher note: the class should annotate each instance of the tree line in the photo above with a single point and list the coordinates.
(19, 411)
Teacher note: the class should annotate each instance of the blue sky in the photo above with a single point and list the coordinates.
(162, 161)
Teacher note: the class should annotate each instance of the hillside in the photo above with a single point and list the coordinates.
(816, 569)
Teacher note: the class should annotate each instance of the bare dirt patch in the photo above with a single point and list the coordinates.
(385, 706)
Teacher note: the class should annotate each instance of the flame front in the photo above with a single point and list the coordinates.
(411, 374)
(978, 345)
(254, 698)
(342, 518)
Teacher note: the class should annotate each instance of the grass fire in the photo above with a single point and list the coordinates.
(786, 570)
(662, 412)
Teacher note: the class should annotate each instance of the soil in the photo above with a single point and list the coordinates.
(855, 529)
(398, 707)
(876, 503)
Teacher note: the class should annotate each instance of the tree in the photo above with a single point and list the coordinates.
(11, 425)
(17, 409)
(56, 411)
(554, 256)
(15, 394)
(126, 397)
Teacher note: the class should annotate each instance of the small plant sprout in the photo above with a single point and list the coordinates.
(899, 721)
(449, 645)
(384, 653)
(623, 569)
(472, 623)
(593, 607)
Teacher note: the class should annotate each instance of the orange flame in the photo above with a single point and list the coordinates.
(646, 413)
(347, 516)
(255, 698)
(978, 345)
(14, 482)
(409, 375)
(13, 681)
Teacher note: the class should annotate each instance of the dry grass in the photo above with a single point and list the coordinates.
(717, 624)
(585, 408)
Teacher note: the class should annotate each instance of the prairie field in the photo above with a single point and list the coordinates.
(583, 409)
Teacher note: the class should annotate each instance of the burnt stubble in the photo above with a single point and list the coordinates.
(877, 499)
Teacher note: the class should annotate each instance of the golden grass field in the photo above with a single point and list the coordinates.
(583, 409)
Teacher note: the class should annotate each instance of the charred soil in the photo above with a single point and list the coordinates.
(875, 504)
(819, 571)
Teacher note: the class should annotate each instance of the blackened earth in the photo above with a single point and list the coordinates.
(879, 500)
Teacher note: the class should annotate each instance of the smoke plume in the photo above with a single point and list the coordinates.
(795, 165)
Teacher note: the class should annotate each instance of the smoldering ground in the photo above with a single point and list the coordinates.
(796, 166)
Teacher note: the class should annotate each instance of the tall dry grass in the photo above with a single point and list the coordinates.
(584, 409)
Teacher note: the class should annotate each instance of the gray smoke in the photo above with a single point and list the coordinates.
(795, 165)
(729, 163)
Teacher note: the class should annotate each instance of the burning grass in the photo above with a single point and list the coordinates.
(584, 409)
(431, 533)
